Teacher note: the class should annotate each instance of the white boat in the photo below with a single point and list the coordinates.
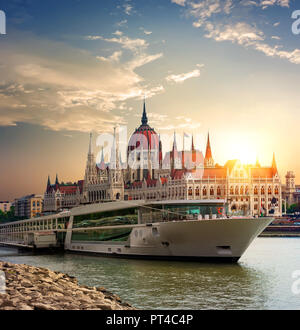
(181, 230)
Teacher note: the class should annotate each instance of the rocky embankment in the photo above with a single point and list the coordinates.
(32, 288)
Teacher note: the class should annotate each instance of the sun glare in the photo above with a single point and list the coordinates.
(245, 152)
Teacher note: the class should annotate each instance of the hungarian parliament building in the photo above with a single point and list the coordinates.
(178, 175)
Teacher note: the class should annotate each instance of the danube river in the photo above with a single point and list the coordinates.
(261, 280)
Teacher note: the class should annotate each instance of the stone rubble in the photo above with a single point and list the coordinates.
(32, 288)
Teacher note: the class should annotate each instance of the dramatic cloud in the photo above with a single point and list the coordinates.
(242, 33)
(204, 10)
(245, 35)
(62, 88)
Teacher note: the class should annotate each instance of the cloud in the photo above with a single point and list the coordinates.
(179, 2)
(115, 57)
(128, 8)
(122, 23)
(205, 9)
(146, 32)
(63, 88)
(239, 32)
(264, 4)
(248, 36)
(143, 59)
(180, 78)
(134, 45)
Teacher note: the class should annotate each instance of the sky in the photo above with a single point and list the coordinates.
(230, 68)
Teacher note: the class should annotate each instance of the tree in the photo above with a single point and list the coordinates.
(8, 216)
(293, 208)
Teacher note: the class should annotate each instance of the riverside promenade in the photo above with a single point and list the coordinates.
(32, 288)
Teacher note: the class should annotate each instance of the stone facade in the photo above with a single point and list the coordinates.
(291, 191)
(61, 196)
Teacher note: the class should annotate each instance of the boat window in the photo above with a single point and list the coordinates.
(112, 218)
(102, 235)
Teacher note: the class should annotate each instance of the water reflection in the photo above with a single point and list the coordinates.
(261, 280)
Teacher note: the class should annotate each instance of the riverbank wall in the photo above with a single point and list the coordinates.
(24, 287)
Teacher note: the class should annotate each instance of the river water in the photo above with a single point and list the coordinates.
(261, 280)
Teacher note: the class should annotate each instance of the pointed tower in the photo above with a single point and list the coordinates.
(116, 191)
(208, 161)
(194, 155)
(90, 170)
(48, 184)
(274, 165)
(102, 170)
(56, 180)
(174, 153)
(160, 153)
(257, 164)
(144, 117)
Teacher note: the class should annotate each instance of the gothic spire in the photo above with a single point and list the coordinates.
(174, 142)
(90, 144)
(56, 180)
(257, 164)
(102, 156)
(274, 165)
(144, 118)
(208, 153)
(48, 183)
(208, 161)
(193, 146)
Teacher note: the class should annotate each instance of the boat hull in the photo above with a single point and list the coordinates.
(221, 240)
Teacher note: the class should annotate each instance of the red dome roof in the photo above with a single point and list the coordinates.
(144, 136)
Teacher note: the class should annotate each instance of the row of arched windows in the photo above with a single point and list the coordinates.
(245, 190)
(239, 190)
(97, 195)
(205, 191)
(263, 191)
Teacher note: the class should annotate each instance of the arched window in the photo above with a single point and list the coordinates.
(255, 190)
(197, 191)
(269, 191)
(276, 191)
(204, 191)
(190, 191)
(212, 191)
(247, 190)
(242, 190)
(262, 190)
(219, 191)
(236, 190)
(231, 191)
